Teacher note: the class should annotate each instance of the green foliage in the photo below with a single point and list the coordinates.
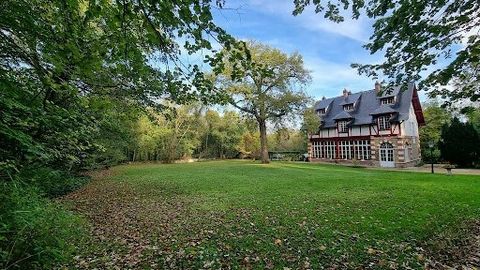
(66, 67)
(165, 137)
(268, 87)
(74, 78)
(51, 183)
(35, 233)
(33, 131)
(460, 143)
(311, 121)
(249, 146)
(290, 140)
(223, 134)
(416, 35)
(114, 137)
(184, 132)
(473, 115)
(435, 118)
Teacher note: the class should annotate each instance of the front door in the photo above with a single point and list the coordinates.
(386, 155)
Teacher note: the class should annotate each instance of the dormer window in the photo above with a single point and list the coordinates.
(348, 107)
(383, 122)
(321, 111)
(388, 100)
(342, 127)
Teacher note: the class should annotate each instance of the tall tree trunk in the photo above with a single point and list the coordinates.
(263, 141)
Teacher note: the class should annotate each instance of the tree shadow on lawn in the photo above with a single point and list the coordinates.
(136, 226)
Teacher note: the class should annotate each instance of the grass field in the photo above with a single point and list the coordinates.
(242, 214)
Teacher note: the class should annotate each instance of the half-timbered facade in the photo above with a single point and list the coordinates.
(376, 128)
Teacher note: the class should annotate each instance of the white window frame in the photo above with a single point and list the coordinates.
(384, 122)
(387, 152)
(362, 150)
(346, 150)
(387, 100)
(342, 127)
(348, 107)
(330, 150)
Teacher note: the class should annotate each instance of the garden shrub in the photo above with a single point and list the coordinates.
(35, 232)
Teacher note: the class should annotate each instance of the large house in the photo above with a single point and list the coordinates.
(375, 128)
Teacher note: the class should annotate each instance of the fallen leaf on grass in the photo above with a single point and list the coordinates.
(420, 257)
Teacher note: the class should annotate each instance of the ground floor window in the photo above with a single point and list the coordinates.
(344, 149)
(315, 149)
(362, 150)
(331, 152)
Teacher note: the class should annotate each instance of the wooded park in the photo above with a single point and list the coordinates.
(138, 134)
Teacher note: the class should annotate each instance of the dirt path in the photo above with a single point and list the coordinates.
(438, 168)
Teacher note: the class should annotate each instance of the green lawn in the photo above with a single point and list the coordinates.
(244, 214)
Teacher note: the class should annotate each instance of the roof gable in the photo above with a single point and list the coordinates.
(391, 92)
(350, 99)
(342, 115)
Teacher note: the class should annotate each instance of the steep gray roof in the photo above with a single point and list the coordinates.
(383, 109)
(352, 98)
(342, 115)
(367, 106)
(389, 92)
(322, 104)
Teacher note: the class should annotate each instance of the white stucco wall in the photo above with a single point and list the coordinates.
(410, 126)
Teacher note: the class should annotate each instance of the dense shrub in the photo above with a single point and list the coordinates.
(35, 233)
(52, 183)
(460, 144)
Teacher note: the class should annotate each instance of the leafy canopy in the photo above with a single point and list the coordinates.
(57, 55)
(435, 118)
(266, 84)
(415, 36)
(269, 86)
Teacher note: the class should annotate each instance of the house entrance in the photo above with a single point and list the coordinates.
(386, 155)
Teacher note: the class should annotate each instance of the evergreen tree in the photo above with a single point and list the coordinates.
(460, 143)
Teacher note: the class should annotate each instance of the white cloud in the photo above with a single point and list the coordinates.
(358, 30)
(330, 78)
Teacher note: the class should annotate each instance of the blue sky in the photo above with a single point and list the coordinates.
(328, 48)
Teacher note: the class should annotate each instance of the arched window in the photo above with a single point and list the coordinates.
(386, 145)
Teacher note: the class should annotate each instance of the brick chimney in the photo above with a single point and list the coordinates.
(345, 92)
(378, 87)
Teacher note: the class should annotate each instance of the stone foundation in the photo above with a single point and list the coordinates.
(406, 152)
(367, 163)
